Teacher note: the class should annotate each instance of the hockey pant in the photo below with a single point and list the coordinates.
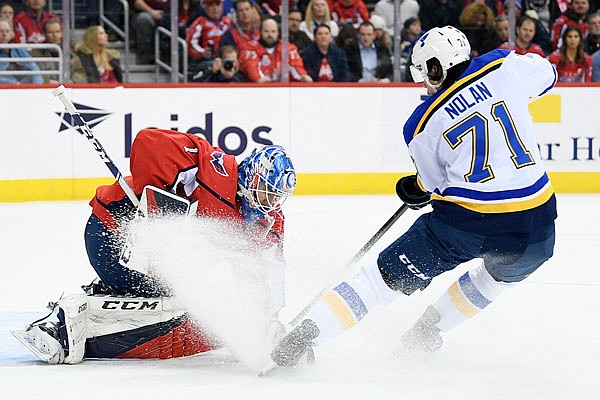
(429, 248)
(97, 326)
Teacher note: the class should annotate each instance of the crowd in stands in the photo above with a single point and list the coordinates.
(329, 40)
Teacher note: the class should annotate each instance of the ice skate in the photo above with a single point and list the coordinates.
(296, 346)
(43, 341)
(424, 336)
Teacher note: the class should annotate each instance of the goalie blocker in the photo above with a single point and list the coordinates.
(100, 326)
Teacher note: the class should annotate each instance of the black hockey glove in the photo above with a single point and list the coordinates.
(410, 193)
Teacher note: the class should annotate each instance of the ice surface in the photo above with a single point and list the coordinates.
(538, 341)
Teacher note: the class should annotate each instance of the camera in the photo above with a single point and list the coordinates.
(228, 64)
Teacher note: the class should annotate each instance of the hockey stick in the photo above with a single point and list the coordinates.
(388, 224)
(271, 366)
(85, 130)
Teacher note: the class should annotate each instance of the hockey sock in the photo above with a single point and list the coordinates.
(471, 293)
(342, 307)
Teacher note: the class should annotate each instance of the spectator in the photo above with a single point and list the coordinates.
(525, 33)
(147, 15)
(369, 61)
(225, 69)
(346, 37)
(260, 60)
(318, 13)
(7, 11)
(500, 33)
(592, 41)
(6, 36)
(476, 22)
(438, 13)
(92, 62)
(205, 32)
(189, 11)
(352, 12)
(323, 60)
(542, 11)
(297, 37)
(596, 66)
(54, 35)
(385, 9)
(380, 33)
(571, 62)
(542, 34)
(576, 14)
(244, 30)
(410, 34)
(30, 22)
(272, 7)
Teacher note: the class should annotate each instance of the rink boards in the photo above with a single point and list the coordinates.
(343, 139)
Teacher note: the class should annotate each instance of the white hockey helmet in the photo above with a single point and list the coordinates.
(447, 44)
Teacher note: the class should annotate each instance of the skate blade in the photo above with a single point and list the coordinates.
(25, 337)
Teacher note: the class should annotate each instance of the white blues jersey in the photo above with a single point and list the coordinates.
(475, 148)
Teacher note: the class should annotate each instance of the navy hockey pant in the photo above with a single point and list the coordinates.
(103, 248)
(431, 247)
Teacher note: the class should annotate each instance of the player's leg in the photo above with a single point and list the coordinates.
(103, 248)
(507, 259)
(403, 267)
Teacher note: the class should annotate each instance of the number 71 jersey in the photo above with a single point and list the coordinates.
(474, 144)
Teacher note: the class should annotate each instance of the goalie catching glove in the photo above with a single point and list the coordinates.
(409, 191)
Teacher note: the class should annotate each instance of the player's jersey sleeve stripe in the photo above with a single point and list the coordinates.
(498, 195)
(501, 207)
(456, 87)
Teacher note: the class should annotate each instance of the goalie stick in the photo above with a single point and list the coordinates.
(367, 246)
(86, 131)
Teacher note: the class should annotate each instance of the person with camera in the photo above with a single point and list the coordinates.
(224, 68)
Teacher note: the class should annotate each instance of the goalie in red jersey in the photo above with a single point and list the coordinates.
(130, 314)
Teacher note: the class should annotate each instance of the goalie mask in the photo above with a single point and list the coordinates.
(266, 179)
(438, 50)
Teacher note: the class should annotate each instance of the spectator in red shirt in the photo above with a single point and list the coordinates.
(30, 23)
(205, 33)
(147, 15)
(575, 15)
(352, 12)
(7, 11)
(260, 60)
(571, 62)
(244, 30)
(525, 33)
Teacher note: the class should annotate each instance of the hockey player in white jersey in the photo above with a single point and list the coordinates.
(478, 164)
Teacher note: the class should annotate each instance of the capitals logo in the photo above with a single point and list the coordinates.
(217, 163)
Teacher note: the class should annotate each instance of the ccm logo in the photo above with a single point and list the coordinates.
(129, 305)
(415, 271)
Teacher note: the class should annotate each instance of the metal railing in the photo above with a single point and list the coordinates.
(58, 72)
(122, 33)
(160, 64)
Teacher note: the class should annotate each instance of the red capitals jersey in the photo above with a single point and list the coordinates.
(572, 72)
(189, 166)
(256, 62)
(561, 24)
(205, 33)
(354, 13)
(533, 48)
(30, 29)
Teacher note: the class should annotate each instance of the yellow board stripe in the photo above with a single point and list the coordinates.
(461, 302)
(308, 184)
(546, 109)
(339, 309)
(493, 208)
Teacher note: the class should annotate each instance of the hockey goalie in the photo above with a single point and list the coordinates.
(129, 313)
